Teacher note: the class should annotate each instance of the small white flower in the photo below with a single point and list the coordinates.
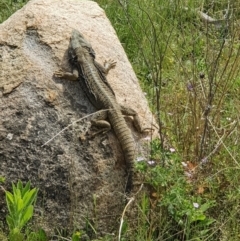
(196, 205)
(172, 150)
(151, 162)
(184, 164)
(147, 138)
(140, 158)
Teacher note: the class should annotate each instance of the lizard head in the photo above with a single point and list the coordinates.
(78, 41)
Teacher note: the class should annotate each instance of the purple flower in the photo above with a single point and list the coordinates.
(204, 160)
(189, 87)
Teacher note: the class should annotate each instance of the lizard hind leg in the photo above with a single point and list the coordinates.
(136, 120)
(105, 125)
(99, 121)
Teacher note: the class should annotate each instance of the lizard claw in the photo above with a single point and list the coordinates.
(146, 130)
(59, 73)
(109, 64)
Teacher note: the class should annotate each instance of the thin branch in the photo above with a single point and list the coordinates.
(124, 211)
(85, 117)
(209, 20)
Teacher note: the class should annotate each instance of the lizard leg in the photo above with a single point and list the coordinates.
(136, 121)
(100, 122)
(66, 75)
(108, 64)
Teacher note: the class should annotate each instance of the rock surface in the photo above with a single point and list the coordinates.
(79, 181)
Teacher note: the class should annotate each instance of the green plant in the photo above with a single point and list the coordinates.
(20, 207)
(2, 179)
(9, 7)
(76, 236)
(39, 235)
(190, 73)
(172, 195)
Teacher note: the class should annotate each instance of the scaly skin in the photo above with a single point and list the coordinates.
(101, 95)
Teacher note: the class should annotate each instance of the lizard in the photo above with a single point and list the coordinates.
(92, 77)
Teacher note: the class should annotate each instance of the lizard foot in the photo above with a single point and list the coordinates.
(146, 130)
(109, 64)
(59, 73)
(67, 75)
(102, 131)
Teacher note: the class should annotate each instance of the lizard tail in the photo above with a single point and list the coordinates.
(126, 141)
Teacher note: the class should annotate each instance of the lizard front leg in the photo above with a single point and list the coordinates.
(108, 64)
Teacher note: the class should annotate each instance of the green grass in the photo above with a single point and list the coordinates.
(8, 7)
(190, 72)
